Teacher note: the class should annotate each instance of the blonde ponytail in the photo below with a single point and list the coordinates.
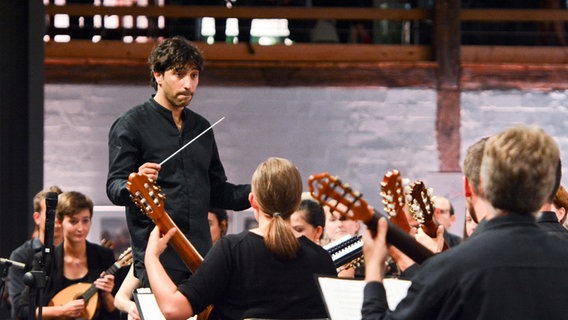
(277, 187)
(280, 238)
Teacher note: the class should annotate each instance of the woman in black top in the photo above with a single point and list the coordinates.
(262, 273)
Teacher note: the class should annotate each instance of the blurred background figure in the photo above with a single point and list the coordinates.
(560, 205)
(27, 251)
(337, 227)
(218, 223)
(444, 214)
(469, 225)
(309, 220)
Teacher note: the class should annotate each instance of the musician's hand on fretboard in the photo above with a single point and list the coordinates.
(376, 252)
(435, 245)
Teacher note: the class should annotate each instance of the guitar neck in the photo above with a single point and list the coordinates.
(401, 239)
(180, 243)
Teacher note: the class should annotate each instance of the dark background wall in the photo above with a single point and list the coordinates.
(21, 118)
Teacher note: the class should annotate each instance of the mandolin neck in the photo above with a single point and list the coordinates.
(180, 243)
(90, 292)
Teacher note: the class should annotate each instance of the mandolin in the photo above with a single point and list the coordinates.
(421, 207)
(392, 193)
(331, 192)
(88, 291)
(149, 198)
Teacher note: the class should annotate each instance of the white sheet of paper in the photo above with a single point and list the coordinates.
(147, 305)
(344, 297)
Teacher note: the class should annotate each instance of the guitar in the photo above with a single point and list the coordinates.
(149, 198)
(392, 193)
(331, 192)
(88, 291)
(422, 208)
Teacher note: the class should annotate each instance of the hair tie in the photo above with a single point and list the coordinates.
(277, 214)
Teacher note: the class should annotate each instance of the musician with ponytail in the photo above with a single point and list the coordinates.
(261, 273)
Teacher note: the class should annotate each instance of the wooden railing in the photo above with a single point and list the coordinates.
(418, 58)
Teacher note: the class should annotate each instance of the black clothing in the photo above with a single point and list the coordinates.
(549, 223)
(511, 269)
(24, 254)
(193, 180)
(451, 239)
(243, 279)
(99, 259)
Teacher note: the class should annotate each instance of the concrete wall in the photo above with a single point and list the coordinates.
(355, 133)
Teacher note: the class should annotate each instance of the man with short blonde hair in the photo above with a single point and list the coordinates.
(510, 268)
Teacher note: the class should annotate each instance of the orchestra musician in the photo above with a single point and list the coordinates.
(265, 272)
(510, 268)
(28, 250)
(309, 220)
(75, 261)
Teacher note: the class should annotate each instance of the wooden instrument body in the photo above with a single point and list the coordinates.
(339, 197)
(88, 291)
(74, 292)
(150, 200)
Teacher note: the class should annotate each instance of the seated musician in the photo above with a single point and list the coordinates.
(123, 300)
(76, 260)
(494, 274)
(28, 250)
(309, 219)
(261, 273)
(337, 227)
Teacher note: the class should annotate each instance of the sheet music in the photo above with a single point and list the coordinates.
(344, 297)
(148, 306)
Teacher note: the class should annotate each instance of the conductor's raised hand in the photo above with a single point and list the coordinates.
(375, 251)
(150, 170)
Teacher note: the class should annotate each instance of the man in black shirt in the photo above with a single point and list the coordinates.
(26, 253)
(193, 180)
(509, 268)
